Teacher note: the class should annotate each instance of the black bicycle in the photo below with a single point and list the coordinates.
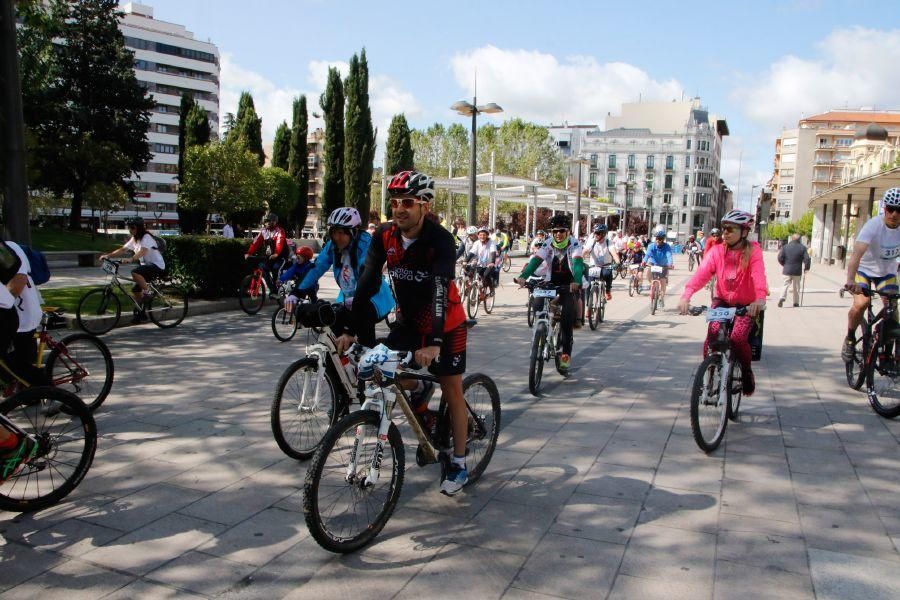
(876, 356)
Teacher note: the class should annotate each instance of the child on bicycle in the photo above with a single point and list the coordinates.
(345, 252)
(740, 281)
(296, 272)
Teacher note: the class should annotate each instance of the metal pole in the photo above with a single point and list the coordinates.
(450, 192)
(12, 132)
(493, 203)
(470, 215)
(577, 225)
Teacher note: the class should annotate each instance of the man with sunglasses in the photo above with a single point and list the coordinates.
(873, 264)
(421, 259)
(564, 257)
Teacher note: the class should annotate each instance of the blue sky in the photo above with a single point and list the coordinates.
(761, 65)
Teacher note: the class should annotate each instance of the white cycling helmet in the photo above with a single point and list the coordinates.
(892, 197)
(485, 230)
(739, 217)
(471, 230)
(344, 217)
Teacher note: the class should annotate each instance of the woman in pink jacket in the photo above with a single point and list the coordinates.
(737, 265)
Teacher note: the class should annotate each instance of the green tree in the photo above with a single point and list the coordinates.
(248, 127)
(359, 149)
(105, 197)
(198, 130)
(279, 190)
(399, 147)
(332, 103)
(281, 146)
(298, 164)
(804, 225)
(193, 130)
(89, 121)
(222, 178)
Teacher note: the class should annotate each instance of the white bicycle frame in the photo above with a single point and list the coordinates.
(325, 349)
(543, 316)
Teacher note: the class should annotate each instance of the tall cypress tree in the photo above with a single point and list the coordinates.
(332, 103)
(399, 148)
(193, 130)
(248, 126)
(359, 152)
(198, 132)
(281, 146)
(298, 165)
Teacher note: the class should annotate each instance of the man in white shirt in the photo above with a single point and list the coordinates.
(228, 231)
(485, 256)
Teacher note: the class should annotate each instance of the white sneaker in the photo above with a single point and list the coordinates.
(457, 478)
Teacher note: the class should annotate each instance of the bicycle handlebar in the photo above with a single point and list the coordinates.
(696, 311)
(869, 293)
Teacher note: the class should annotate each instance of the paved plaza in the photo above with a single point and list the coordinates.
(596, 490)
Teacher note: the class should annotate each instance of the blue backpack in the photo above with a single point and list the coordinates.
(40, 270)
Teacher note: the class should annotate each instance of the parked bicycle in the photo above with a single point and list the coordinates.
(596, 297)
(254, 287)
(355, 478)
(876, 361)
(546, 337)
(79, 363)
(657, 272)
(636, 283)
(717, 391)
(99, 310)
(64, 430)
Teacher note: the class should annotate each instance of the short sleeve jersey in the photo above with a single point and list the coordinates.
(29, 303)
(483, 252)
(153, 256)
(880, 260)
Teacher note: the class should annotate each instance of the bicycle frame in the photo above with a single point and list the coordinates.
(542, 315)
(116, 283)
(875, 323)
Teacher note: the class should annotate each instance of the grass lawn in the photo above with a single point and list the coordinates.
(48, 240)
(67, 298)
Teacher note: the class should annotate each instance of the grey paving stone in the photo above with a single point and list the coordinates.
(856, 532)
(597, 518)
(812, 417)
(822, 437)
(616, 481)
(237, 502)
(681, 509)
(145, 589)
(837, 575)
(219, 474)
(668, 554)
(628, 587)
(683, 447)
(739, 581)
(755, 440)
(490, 572)
(505, 463)
(763, 550)
(698, 474)
(774, 500)
(819, 462)
(72, 537)
(16, 526)
(745, 524)
(587, 435)
(755, 467)
(20, 563)
(72, 579)
(540, 486)
(834, 491)
(519, 594)
(873, 455)
(147, 548)
(555, 456)
(633, 453)
(128, 478)
(570, 567)
(520, 439)
(145, 506)
(260, 538)
(353, 576)
(506, 526)
(201, 573)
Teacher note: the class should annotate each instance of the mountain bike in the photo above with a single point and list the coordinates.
(355, 478)
(253, 288)
(546, 337)
(877, 356)
(620, 269)
(717, 391)
(506, 263)
(657, 273)
(596, 297)
(693, 259)
(99, 310)
(479, 293)
(66, 436)
(284, 322)
(636, 283)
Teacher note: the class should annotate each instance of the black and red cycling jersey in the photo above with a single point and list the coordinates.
(274, 239)
(422, 274)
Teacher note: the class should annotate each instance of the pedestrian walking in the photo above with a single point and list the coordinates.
(794, 258)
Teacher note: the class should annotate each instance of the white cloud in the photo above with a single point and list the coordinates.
(855, 67)
(275, 104)
(541, 88)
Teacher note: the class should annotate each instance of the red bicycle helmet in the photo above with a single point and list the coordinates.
(412, 183)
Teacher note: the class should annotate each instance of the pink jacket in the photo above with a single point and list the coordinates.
(733, 285)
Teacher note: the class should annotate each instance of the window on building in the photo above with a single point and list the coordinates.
(684, 201)
(592, 179)
(629, 199)
(611, 180)
(611, 161)
(668, 181)
(593, 161)
(650, 161)
(687, 161)
(631, 161)
(687, 180)
(165, 148)
(648, 185)
(683, 218)
(667, 198)
(786, 188)
(689, 144)
(631, 178)
(670, 162)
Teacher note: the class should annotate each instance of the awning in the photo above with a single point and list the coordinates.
(859, 189)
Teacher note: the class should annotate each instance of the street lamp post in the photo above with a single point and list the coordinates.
(580, 161)
(473, 109)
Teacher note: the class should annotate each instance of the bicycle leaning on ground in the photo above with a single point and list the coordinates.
(64, 430)
(717, 390)
(876, 356)
(546, 337)
(100, 310)
(354, 481)
(79, 363)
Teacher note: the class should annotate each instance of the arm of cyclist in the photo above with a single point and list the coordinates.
(529, 269)
(698, 280)
(859, 249)
(255, 245)
(760, 285)
(280, 239)
(367, 285)
(577, 273)
(442, 273)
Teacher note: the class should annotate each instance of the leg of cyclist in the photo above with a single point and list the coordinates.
(608, 278)
(23, 359)
(854, 319)
(14, 449)
(740, 346)
(566, 327)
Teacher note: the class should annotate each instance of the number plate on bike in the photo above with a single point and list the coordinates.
(720, 314)
(109, 267)
(545, 293)
(656, 269)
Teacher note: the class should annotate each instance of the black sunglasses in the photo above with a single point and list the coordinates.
(891, 209)
(559, 231)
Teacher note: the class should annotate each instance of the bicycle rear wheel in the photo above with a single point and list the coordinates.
(252, 294)
(82, 364)
(483, 404)
(300, 418)
(594, 310)
(67, 439)
(284, 324)
(856, 369)
(883, 380)
(708, 406)
(735, 389)
(344, 509)
(98, 311)
(654, 298)
(168, 307)
(536, 361)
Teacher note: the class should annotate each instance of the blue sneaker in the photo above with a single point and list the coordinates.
(457, 478)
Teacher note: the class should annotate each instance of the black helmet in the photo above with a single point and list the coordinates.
(600, 228)
(560, 222)
(134, 221)
(271, 217)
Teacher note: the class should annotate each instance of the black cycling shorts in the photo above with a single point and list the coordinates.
(148, 272)
(452, 360)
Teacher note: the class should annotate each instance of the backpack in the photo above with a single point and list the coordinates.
(161, 244)
(10, 263)
(40, 270)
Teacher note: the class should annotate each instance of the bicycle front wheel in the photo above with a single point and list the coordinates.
(883, 380)
(473, 301)
(284, 324)
(67, 438)
(530, 308)
(735, 389)
(98, 311)
(345, 507)
(709, 406)
(490, 296)
(483, 406)
(856, 369)
(82, 364)
(168, 306)
(252, 294)
(654, 298)
(301, 413)
(594, 314)
(536, 361)
(632, 286)
(507, 263)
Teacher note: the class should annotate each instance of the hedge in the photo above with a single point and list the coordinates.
(210, 267)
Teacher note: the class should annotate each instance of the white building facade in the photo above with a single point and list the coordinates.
(168, 63)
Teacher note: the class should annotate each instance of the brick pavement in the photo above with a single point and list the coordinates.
(596, 490)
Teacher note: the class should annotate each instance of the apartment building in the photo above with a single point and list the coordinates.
(315, 146)
(168, 62)
(812, 157)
